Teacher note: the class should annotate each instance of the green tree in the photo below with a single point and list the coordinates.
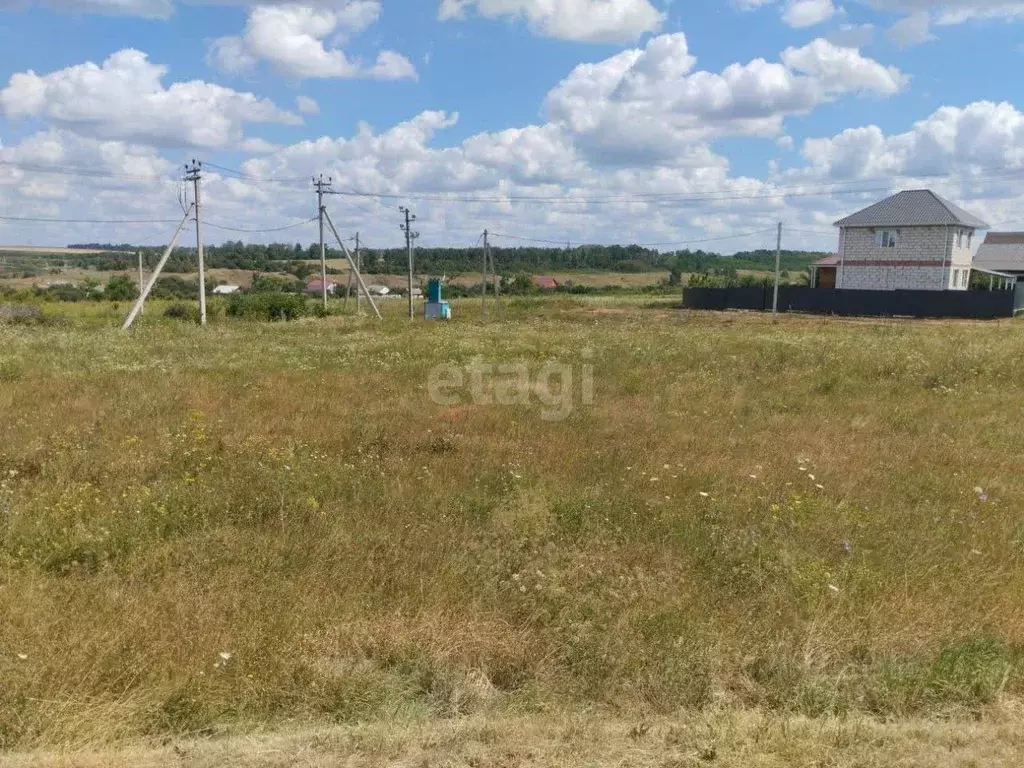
(121, 288)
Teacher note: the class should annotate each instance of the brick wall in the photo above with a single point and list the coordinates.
(924, 258)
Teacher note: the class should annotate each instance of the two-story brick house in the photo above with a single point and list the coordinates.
(914, 240)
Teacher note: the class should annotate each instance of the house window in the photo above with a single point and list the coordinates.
(965, 278)
(960, 238)
(970, 236)
(885, 238)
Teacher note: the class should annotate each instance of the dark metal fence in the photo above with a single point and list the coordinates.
(829, 301)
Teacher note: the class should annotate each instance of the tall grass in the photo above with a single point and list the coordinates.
(267, 523)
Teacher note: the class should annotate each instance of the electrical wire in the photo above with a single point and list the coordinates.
(812, 231)
(1001, 172)
(94, 173)
(243, 176)
(269, 229)
(643, 245)
(824, 189)
(88, 221)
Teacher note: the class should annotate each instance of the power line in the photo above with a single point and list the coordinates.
(443, 196)
(644, 245)
(826, 189)
(813, 231)
(96, 173)
(267, 229)
(243, 176)
(528, 239)
(88, 221)
(783, 191)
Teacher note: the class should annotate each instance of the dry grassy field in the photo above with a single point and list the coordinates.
(47, 250)
(594, 279)
(240, 277)
(270, 544)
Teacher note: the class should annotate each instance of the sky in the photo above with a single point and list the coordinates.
(660, 122)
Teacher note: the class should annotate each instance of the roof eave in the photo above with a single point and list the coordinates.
(843, 224)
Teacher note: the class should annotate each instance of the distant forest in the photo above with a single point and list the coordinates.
(279, 257)
(105, 247)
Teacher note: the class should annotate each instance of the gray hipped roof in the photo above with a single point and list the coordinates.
(1002, 251)
(914, 208)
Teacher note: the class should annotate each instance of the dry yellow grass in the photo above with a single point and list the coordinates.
(45, 250)
(751, 517)
(594, 279)
(239, 277)
(729, 739)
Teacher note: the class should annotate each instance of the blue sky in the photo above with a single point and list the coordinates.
(635, 120)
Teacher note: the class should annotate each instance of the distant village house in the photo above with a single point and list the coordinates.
(545, 283)
(914, 240)
(1001, 255)
(317, 286)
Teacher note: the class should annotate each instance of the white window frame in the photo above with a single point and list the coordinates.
(886, 238)
(956, 278)
(959, 238)
(970, 236)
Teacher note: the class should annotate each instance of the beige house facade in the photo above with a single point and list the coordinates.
(914, 240)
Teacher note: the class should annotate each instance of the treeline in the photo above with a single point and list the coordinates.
(279, 257)
(105, 246)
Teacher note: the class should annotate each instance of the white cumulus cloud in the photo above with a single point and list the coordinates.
(646, 105)
(984, 135)
(911, 30)
(291, 39)
(307, 105)
(124, 98)
(582, 20)
(807, 13)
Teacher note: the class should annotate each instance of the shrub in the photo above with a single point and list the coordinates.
(182, 312)
(21, 314)
(268, 306)
(121, 288)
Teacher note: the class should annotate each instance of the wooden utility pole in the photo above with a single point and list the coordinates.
(483, 283)
(352, 265)
(359, 266)
(778, 258)
(322, 187)
(141, 284)
(137, 309)
(410, 236)
(193, 173)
